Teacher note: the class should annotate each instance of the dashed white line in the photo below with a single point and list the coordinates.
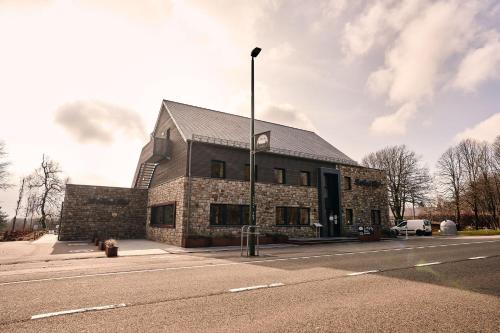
(428, 264)
(66, 312)
(365, 272)
(475, 258)
(262, 286)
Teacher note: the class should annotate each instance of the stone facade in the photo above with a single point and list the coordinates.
(171, 192)
(368, 192)
(205, 191)
(106, 212)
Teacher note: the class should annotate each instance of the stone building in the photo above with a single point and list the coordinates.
(192, 182)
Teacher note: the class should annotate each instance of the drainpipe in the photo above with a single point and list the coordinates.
(189, 189)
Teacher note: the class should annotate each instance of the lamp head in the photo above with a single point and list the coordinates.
(255, 52)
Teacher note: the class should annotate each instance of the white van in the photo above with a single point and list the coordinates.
(414, 227)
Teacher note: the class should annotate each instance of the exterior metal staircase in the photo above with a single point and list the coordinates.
(145, 175)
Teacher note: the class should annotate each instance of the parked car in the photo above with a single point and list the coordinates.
(414, 227)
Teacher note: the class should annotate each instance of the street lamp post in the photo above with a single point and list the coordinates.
(252, 217)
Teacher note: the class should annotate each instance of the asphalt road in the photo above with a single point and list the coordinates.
(440, 285)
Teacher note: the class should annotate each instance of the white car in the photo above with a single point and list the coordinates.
(414, 227)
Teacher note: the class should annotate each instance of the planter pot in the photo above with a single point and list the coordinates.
(96, 242)
(102, 246)
(112, 251)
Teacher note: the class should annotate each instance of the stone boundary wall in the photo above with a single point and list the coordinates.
(368, 192)
(108, 212)
(268, 196)
(173, 191)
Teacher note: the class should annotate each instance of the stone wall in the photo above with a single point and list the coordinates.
(171, 192)
(206, 191)
(368, 192)
(108, 212)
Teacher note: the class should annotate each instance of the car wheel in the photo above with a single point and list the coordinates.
(419, 232)
(395, 232)
(428, 233)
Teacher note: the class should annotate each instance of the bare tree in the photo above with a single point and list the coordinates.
(47, 179)
(405, 176)
(4, 164)
(19, 202)
(470, 151)
(450, 177)
(30, 204)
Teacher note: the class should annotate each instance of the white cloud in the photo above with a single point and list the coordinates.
(479, 65)
(286, 114)
(487, 130)
(421, 39)
(281, 52)
(395, 123)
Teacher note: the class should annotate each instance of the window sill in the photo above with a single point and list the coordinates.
(162, 226)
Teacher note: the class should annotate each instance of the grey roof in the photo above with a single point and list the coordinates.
(201, 124)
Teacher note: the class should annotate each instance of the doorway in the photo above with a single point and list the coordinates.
(329, 202)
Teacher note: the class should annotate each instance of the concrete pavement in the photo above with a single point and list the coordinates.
(324, 288)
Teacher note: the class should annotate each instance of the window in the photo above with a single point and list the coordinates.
(347, 184)
(375, 217)
(163, 215)
(218, 169)
(223, 214)
(279, 176)
(247, 172)
(292, 216)
(305, 178)
(349, 218)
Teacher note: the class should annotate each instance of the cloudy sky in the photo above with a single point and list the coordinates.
(82, 81)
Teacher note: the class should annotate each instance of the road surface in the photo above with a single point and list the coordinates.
(423, 284)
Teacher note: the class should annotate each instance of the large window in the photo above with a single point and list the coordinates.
(304, 178)
(349, 217)
(163, 216)
(347, 184)
(375, 217)
(292, 216)
(218, 169)
(279, 176)
(247, 172)
(223, 214)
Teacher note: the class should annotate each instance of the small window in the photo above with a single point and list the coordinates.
(279, 176)
(305, 178)
(347, 184)
(247, 172)
(224, 214)
(218, 169)
(168, 134)
(292, 216)
(375, 217)
(349, 217)
(163, 215)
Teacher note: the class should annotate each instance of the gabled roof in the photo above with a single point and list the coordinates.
(201, 124)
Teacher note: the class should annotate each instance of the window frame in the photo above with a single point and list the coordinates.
(287, 211)
(153, 212)
(243, 216)
(247, 179)
(223, 163)
(349, 211)
(276, 175)
(347, 183)
(308, 179)
(378, 217)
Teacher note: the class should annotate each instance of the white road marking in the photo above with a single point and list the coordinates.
(272, 285)
(361, 273)
(61, 313)
(205, 266)
(475, 258)
(428, 264)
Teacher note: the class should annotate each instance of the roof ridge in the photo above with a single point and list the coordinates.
(237, 115)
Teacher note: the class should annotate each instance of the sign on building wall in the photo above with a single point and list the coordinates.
(263, 141)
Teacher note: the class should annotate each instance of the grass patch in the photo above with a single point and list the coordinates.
(480, 232)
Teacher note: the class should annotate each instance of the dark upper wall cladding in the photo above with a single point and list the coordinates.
(235, 160)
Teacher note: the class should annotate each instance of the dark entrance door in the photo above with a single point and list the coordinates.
(329, 202)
